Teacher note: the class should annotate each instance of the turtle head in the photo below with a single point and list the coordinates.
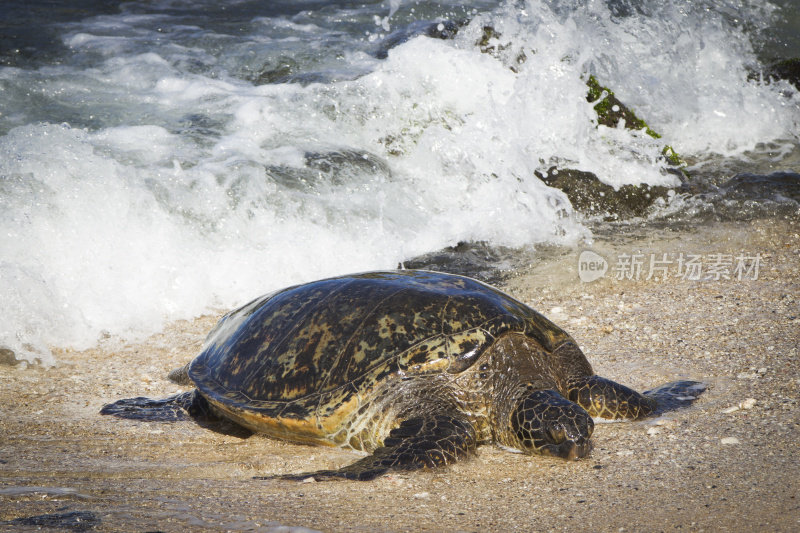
(545, 422)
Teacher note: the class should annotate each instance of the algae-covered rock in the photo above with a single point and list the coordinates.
(489, 43)
(592, 197)
(611, 112)
(585, 191)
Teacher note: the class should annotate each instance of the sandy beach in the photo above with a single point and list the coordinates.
(728, 463)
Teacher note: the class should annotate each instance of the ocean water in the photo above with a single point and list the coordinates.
(165, 158)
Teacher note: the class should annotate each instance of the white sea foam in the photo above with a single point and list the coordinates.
(181, 187)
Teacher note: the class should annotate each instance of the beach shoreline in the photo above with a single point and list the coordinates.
(726, 464)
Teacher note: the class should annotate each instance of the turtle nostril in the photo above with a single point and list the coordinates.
(558, 435)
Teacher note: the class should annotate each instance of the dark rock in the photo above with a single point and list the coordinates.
(787, 69)
(279, 72)
(778, 186)
(286, 70)
(444, 29)
(477, 260)
(71, 520)
(341, 165)
(7, 356)
(592, 197)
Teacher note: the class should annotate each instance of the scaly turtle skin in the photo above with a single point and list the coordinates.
(415, 367)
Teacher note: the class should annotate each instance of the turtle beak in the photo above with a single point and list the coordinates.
(566, 448)
(571, 450)
(569, 446)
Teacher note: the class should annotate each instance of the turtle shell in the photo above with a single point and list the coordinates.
(286, 354)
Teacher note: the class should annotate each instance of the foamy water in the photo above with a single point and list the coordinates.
(175, 157)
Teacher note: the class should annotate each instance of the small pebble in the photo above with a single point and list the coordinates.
(422, 495)
(745, 404)
(730, 440)
(748, 403)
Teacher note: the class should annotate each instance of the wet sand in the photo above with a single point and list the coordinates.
(729, 463)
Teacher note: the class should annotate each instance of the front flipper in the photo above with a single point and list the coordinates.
(607, 399)
(422, 442)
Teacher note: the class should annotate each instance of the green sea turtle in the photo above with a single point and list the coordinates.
(416, 367)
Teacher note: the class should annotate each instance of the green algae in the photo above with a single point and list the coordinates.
(610, 110)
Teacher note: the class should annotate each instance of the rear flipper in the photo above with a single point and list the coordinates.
(424, 442)
(181, 406)
(184, 406)
(675, 395)
(604, 398)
